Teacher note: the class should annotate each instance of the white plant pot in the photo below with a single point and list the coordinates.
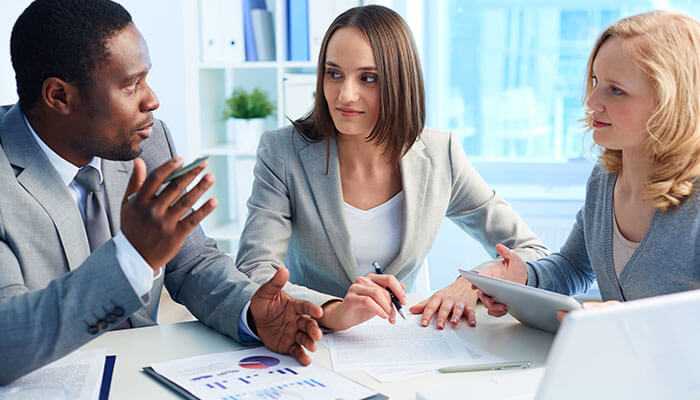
(245, 133)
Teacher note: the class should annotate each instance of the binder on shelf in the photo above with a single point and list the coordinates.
(251, 53)
(321, 14)
(298, 30)
(221, 31)
(264, 31)
(211, 45)
(234, 39)
(299, 92)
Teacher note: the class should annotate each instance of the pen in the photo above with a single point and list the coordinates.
(395, 301)
(497, 366)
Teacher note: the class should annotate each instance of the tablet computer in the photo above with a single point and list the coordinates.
(531, 306)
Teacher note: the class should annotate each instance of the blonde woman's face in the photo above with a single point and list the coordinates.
(350, 83)
(621, 100)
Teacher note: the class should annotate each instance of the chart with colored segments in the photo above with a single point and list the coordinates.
(257, 374)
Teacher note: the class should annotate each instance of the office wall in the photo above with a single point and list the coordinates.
(164, 26)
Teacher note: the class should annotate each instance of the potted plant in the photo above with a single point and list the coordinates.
(246, 112)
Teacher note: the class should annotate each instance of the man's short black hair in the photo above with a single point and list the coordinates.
(64, 39)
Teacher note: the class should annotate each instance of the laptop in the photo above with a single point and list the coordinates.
(643, 350)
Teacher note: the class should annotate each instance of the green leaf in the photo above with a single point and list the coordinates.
(247, 105)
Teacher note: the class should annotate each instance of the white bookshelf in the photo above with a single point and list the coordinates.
(214, 80)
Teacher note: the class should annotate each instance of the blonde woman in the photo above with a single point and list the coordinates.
(638, 233)
(360, 180)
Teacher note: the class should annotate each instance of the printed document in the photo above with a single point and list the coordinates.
(77, 376)
(257, 374)
(390, 352)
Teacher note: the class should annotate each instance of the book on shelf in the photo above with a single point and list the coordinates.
(251, 53)
(264, 32)
(298, 30)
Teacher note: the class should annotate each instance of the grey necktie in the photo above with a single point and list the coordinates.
(96, 222)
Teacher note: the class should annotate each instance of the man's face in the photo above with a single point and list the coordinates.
(115, 114)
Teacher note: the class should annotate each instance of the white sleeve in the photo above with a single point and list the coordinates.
(137, 271)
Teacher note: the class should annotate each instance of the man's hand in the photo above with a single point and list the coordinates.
(157, 224)
(285, 325)
(454, 302)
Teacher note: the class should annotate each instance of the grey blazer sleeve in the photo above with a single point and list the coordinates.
(203, 278)
(40, 326)
(265, 238)
(569, 271)
(481, 213)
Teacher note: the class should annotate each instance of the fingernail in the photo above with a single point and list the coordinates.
(424, 323)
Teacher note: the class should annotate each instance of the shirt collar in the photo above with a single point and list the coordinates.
(66, 170)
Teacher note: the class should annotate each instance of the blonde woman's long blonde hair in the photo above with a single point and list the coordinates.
(666, 47)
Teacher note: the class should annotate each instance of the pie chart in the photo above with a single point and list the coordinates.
(258, 362)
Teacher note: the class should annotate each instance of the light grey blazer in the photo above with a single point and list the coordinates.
(295, 213)
(54, 295)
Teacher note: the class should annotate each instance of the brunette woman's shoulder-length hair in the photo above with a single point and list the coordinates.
(402, 96)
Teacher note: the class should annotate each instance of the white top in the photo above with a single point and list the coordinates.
(622, 248)
(375, 234)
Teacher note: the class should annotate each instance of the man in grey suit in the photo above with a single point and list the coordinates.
(87, 239)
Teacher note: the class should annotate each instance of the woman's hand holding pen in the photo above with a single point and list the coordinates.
(366, 298)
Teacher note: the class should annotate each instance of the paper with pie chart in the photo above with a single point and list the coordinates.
(257, 374)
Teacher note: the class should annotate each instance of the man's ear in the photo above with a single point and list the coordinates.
(59, 95)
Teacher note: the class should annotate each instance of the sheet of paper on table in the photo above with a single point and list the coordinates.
(394, 352)
(255, 374)
(78, 376)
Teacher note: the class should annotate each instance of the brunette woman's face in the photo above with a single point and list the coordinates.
(350, 83)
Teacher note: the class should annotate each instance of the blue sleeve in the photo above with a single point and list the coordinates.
(245, 334)
(567, 272)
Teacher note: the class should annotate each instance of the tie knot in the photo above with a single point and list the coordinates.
(89, 178)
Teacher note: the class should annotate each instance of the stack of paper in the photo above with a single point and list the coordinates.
(76, 376)
(391, 352)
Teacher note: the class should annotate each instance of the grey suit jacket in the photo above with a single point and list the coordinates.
(54, 295)
(295, 213)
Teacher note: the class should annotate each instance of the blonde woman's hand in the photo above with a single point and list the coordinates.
(588, 305)
(511, 268)
(366, 298)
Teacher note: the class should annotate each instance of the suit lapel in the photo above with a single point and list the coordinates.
(327, 194)
(40, 179)
(116, 178)
(415, 172)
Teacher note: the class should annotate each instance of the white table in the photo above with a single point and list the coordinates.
(136, 348)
